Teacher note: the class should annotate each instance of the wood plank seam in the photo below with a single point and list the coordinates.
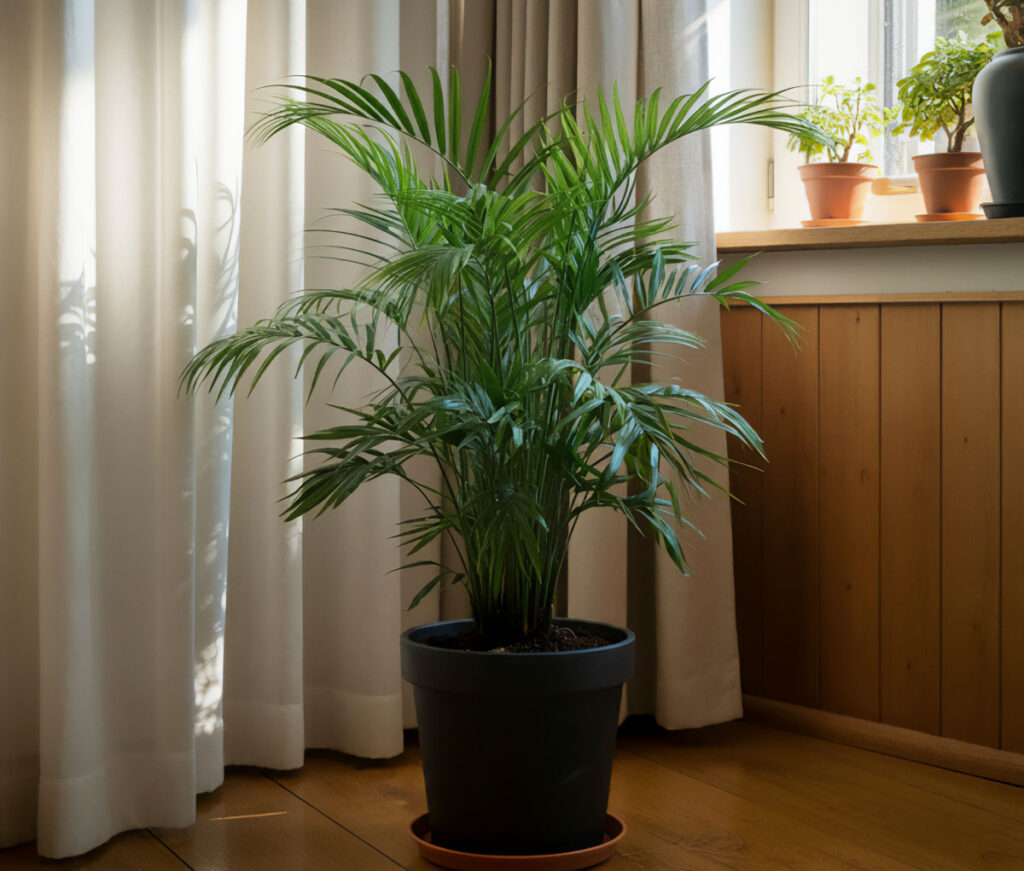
(269, 775)
(817, 496)
(878, 509)
(168, 848)
(761, 508)
(999, 587)
(942, 484)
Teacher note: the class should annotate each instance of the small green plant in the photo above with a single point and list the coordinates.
(937, 93)
(1009, 15)
(850, 115)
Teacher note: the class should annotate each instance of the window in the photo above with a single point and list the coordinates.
(880, 40)
(794, 43)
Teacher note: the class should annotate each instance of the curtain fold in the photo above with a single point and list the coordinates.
(259, 681)
(689, 661)
(159, 620)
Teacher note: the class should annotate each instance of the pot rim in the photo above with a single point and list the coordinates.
(630, 638)
(1017, 49)
(476, 672)
(940, 155)
(837, 163)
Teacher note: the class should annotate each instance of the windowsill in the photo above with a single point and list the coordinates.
(978, 232)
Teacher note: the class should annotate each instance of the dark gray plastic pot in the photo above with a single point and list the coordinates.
(517, 747)
(999, 116)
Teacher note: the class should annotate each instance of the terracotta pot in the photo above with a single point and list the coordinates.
(837, 190)
(951, 182)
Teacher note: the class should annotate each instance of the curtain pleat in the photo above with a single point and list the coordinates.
(261, 629)
(159, 619)
(689, 656)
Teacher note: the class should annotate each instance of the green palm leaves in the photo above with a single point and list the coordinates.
(523, 289)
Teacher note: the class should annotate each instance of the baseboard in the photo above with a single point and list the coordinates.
(895, 741)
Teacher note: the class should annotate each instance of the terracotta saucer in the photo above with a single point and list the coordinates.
(614, 829)
(833, 222)
(950, 216)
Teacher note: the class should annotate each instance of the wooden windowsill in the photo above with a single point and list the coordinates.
(978, 232)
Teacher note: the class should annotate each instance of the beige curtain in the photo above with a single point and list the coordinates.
(158, 619)
(545, 50)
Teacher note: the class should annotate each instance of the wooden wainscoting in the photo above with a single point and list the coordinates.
(880, 552)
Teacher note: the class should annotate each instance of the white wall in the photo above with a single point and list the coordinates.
(927, 269)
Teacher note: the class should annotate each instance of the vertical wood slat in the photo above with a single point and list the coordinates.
(910, 557)
(970, 522)
(1012, 581)
(741, 353)
(848, 509)
(950, 497)
(790, 529)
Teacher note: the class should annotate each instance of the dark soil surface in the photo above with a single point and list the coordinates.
(556, 639)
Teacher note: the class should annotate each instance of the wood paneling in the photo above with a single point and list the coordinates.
(970, 523)
(790, 527)
(891, 556)
(848, 510)
(910, 518)
(1012, 607)
(741, 351)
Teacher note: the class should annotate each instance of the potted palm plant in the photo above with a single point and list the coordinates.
(935, 96)
(837, 188)
(999, 106)
(518, 287)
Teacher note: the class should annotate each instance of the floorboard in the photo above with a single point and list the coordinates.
(851, 794)
(130, 851)
(738, 796)
(252, 823)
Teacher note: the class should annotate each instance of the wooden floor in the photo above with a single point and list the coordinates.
(733, 796)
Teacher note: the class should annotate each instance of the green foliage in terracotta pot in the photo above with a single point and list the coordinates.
(937, 93)
(1009, 15)
(850, 115)
(504, 303)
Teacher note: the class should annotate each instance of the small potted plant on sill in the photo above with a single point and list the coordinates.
(936, 96)
(999, 107)
(837, 188)
(513, 294)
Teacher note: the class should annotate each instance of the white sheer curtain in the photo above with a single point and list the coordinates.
(128, 200)
(142, 647)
